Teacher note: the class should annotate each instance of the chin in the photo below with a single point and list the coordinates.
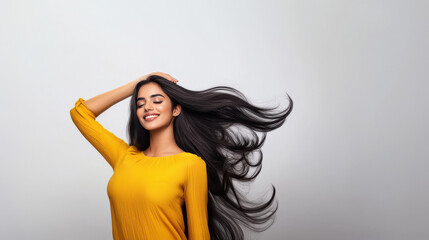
(152, 126)
(157, 124)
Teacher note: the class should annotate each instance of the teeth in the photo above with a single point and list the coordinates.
(150, 116)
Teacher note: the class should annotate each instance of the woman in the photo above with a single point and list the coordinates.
(174, 179)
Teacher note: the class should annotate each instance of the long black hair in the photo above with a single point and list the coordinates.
(205, 127)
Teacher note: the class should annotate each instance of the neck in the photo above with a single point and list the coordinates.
(162, 141)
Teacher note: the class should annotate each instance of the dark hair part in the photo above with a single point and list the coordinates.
(204, 128)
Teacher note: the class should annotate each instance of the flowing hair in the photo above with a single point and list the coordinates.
(205, 128)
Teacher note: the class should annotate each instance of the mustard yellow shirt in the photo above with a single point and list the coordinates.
(146, 194)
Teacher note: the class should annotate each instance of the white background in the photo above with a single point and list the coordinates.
(350, 163)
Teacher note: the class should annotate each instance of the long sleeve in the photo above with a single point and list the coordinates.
(107, 144)
(196, 193)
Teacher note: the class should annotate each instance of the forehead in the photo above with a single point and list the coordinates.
(150, 89)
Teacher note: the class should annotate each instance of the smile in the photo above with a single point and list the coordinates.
(150, 117)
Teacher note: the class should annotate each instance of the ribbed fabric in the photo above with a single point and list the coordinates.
(147, 193)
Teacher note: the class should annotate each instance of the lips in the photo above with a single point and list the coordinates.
(151, 117)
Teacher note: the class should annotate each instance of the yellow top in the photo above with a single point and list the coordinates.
(146, 194)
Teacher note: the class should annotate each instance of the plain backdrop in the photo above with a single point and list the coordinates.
(350, 163)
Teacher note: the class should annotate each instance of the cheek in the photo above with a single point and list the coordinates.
(164, 109)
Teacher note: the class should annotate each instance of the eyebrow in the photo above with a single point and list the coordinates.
(153, 95)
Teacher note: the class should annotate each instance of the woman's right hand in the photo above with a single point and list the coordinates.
(164, 75)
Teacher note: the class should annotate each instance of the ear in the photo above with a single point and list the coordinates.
(177, 110)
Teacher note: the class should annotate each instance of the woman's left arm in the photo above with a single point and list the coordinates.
(196, 192)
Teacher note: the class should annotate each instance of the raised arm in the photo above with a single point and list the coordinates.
(84, 114)
(102, 102)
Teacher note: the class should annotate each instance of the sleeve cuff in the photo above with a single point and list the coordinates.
(81, 102)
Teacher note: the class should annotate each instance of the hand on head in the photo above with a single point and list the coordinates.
(164, 75)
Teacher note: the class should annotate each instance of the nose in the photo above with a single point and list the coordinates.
(147, 107)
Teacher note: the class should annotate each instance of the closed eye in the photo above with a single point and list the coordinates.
(153, 102)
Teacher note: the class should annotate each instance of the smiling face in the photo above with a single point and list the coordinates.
(152, 100)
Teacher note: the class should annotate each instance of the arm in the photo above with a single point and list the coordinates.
(107, 144)
(196, 201)
(84, 113)
(102, 102)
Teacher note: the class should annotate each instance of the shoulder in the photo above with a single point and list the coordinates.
(193, 157)
(194, 161)
(133, 150)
